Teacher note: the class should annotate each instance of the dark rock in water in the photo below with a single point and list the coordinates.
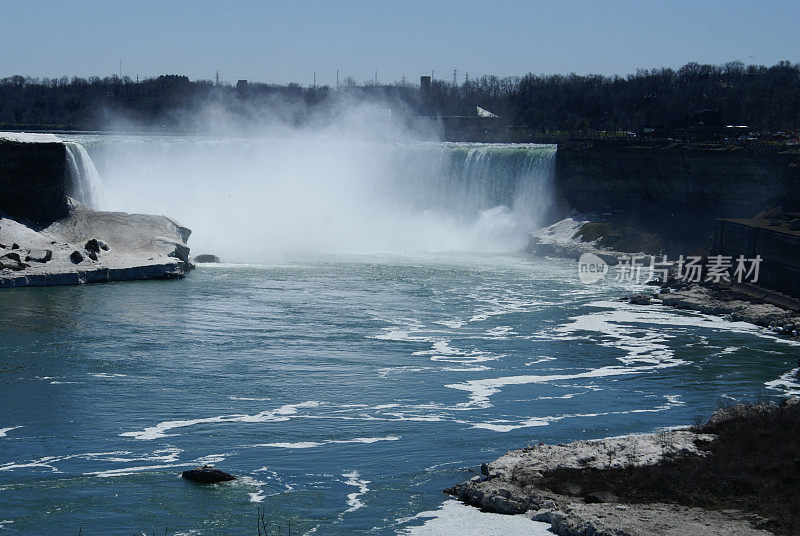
(76, 257)
(14, 246)
(92, 255)
(206, 258)
(207, 475)
(640, 299)
(12, 256)
(485, 469)
(39, 255)
(654, 283)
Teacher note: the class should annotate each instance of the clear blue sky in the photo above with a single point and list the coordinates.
(281, 42)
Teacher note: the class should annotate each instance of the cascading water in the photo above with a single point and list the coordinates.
(495, 193)
(86, 186)
(255, 200)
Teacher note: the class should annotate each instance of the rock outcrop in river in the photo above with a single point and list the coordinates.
(737, 474)
(49, 238)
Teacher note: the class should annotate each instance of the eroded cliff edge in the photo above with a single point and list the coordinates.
(675, 190)
(49, 238)
(737, 474)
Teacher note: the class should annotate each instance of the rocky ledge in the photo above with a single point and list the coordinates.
(49, 236)
(737, 474)
(89, 246)
(736, 302)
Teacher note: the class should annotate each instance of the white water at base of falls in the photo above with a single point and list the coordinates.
(86, 185)
(266, 199)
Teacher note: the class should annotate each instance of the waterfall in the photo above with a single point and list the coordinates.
(498, 192)
(260, 198)
(85, 186)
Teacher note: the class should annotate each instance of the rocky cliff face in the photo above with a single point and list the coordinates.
(681, 178)
(676, 190)
(33, 181)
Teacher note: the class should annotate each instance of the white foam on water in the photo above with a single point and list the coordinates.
(663, 315)
(502, 306)
(298, 445)
(671, 401)
(369, 440)
(45, 463)
(255, 496)
(789, 383)
(481, 390)
(281, 414)
(125, 471)
(274, 475)
(258, 496)
(619, 317)
(4, 431)
(441, 350)
(354, 501)
(499, 426)
(499, 333)
(539, 360)
(106, 375)
(5, 522)
(454, 517)
(453, 324)
(212, 459)
(478, 368)
(314, 444)
(166, 455)
(386, 372)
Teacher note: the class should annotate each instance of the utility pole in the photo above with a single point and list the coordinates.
(455, 77)
(120, 66)
(376, 77)
(315, 79)
(217, 77)
(337, 78)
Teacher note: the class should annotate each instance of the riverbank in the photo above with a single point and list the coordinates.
(736, 302)
(91, 246)
(736, 474)
(578, 234)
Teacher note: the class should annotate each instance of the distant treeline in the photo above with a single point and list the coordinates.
(766, 98)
